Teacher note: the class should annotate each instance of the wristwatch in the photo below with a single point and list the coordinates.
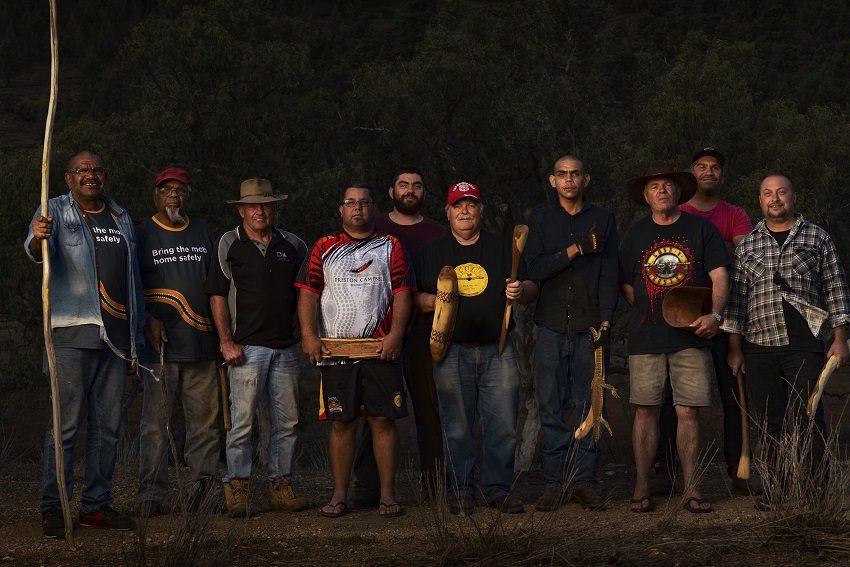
(717, 316)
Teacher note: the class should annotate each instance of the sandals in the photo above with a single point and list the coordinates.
(699, 505)
(334, 510)
(644, 504)
(390, 509)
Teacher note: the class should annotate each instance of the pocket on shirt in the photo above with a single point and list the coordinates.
(754, 267)
(805, 261)
(73, 235)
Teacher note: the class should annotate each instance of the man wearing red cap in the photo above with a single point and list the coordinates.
(174, 255)
(473, 377)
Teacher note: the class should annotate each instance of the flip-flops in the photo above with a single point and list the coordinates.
(645, 504)
(334, 510)
(390, 509)
(699, 508)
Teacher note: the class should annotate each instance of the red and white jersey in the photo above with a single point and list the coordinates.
(356, 280)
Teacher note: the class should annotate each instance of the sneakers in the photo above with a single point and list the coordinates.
(550, 500)
(107, 518)
(53, 524)
(236, 498)
(587, 498)
(507, 504)
(282, 497)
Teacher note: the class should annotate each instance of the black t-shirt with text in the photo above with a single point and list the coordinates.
(111, 257)
(174, 263)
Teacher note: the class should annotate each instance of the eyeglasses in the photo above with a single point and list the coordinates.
(89, 171)
(166, 190)
(353, 203)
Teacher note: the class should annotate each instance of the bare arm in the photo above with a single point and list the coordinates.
(231, 351)
(308, 308)
(628, 292)
(707, 326)
(425, 301)
(391, 343)
(839, 345)
(736, 354)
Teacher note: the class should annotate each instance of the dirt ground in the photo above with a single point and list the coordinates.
(735, 534)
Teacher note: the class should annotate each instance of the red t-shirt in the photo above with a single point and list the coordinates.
(730, 220)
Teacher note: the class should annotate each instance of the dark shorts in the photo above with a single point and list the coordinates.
(371, 387)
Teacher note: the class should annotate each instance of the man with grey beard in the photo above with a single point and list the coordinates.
(174, 256)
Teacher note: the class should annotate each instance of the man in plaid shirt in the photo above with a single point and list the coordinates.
(788, 284)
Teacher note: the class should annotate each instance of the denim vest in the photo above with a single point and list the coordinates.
(74, 297)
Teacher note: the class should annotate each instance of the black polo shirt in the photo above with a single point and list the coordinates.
(259, 286)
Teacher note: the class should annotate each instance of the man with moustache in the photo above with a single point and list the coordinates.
(708, 165)
(96, 317)
(665, 250)
(175, 253)
(572, 254)
(253, 302)
(788, 290)
(357, 284)
(473, 378)
(414, 230)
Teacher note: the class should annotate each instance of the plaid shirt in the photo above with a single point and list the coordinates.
(807, 261)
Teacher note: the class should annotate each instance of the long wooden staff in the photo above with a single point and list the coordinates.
(520, 236)
(744, 460)
(59, 453)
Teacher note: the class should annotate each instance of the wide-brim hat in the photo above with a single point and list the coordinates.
(257, 192)
(684, 179)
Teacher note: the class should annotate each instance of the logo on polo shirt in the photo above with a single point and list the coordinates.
(281, 256)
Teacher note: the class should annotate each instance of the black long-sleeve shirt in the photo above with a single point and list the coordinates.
(573, 295)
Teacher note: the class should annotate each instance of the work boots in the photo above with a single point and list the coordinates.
(282, 497)
(236, 497)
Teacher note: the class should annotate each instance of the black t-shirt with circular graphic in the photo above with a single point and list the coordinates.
(481, 269)
(655, 258)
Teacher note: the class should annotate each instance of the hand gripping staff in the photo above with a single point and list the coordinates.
(520, 238)
(59, 453)
(817, 392)
(445, 312)
(594, 418)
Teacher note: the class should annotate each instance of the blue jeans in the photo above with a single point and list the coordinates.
(563, 370)
(470, 379)
(92, 379)
(196, 384)
(273, 373)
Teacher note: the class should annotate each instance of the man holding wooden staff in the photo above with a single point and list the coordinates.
(788, 290)
(357, 285)
(97, 317)
(572, 255)
(253, 303)
(175, 253)
(473, 378)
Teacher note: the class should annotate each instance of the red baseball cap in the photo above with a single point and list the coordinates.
(175, 173)
(463, 190)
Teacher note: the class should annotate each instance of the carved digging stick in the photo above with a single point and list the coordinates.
(59, 453)
(520, 237)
